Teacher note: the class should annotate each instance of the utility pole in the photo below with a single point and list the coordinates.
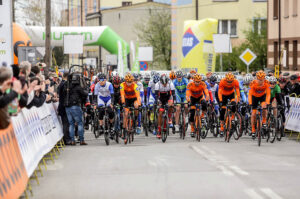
(100, 51)
(13, 11)
(197, 17)
(48, 53)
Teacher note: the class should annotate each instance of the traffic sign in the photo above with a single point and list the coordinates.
(247, 57)
(143, 65)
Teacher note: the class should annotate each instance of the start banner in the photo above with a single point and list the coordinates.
(13, 175)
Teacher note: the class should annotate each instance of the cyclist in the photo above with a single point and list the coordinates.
(165, 93)
(191, 75)
(172, 75)
(180, 84)
(130, 96)
(151, 98)
(145, 83)
(195, 95)
(227, 89)
(214, 87)
(141, 89)
(276, 97)
(259, 93)
(105, 98)
(116, 84)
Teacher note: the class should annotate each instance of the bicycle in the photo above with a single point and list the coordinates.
(118, 123)
(260, 132)
(201, 127)
(96, 124)
(182, 123)
(213, 121)
(246, 119)
(280, 126)
(145, 120)
(232, 123)
(107, 127)
(129, 131)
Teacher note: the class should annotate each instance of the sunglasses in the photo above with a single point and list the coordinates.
(229, 82)
(102, 80)
(273, 83)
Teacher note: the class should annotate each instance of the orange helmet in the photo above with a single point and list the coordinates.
(197, 77)
(229, 77)
(260, 75)
(193, 72)
(129, 78)
(172, 75)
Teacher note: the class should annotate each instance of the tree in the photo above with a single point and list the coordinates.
(256, 42)
(155, 31)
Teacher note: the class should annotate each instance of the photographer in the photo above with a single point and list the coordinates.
(10, 92)
(75, 94)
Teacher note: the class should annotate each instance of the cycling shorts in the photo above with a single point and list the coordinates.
(258, 100)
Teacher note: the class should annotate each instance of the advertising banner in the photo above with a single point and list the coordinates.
(6, 47)
(197, 45)
(293, 116)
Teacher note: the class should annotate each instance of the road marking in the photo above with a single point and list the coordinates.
(239, 170)
(225, 170)
(270, 193)
(208, 150)
(253, 194)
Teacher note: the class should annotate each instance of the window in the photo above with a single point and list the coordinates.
(126, 3)
(275, 52)
(295, 52)
(85, 7)
(286, 9)
(259, 25)
(228, 27)
(286, 46)
(95, 5)
(295, 8)
(275, 9)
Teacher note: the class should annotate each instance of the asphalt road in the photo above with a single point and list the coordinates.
(148, 168)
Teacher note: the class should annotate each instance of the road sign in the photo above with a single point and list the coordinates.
(143, 65)
(248, 57)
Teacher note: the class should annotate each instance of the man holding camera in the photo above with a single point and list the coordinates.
(75, 94)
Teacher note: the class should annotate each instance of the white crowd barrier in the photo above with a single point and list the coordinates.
(37, 131)
(293, 116)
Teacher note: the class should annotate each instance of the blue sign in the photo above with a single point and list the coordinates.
(143, 65)
(189, 41)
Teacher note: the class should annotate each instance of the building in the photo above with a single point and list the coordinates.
(233, 16)
(289, 34)
(122, 20)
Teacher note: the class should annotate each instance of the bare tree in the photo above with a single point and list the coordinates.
(156, 32)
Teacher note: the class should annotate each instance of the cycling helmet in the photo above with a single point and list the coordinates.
(147, 77)
(197, 77)
(282, 80)
(128, 78)
(247, 79)
(193, 72)
(229, 77)
(152, 73)
(213, 79)
(116, 79)
(94, 78)
(267, 78)
(172, 75)
(204, 78)
(135, 76)
(272, 80)
(155, 78)
(179, 74)
(219, 78)
(164, 79)
(101, 76)
(260, 75)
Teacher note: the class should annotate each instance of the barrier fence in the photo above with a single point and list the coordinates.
(32, 134)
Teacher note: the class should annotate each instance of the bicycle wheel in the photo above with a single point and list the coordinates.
(183, 126)
(165, 129)
(271, 128)
(204, 129)
(227, 128)
(96, 127)
(197, 128)
(280, 127)
(213, 124)
(258, 129)
(237, 131)
(145, 122)
(106, 133)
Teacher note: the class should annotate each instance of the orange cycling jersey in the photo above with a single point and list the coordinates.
(196, 91)
(129, 92)
(258, 90)
(226, 88)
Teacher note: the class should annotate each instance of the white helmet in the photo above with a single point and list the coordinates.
(247, 79)
(272, 79)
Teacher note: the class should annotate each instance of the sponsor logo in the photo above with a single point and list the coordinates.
(189, 41)
(60, 35)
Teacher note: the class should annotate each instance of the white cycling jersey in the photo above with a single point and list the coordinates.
(163, 89)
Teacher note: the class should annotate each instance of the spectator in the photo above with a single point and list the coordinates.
(62, 111)
(74, 95)
(6, 98)
(294, 86)
(39, 93)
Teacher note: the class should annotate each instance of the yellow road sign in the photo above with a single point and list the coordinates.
(248, 57)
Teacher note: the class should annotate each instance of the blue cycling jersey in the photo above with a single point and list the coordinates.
(180, 86)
